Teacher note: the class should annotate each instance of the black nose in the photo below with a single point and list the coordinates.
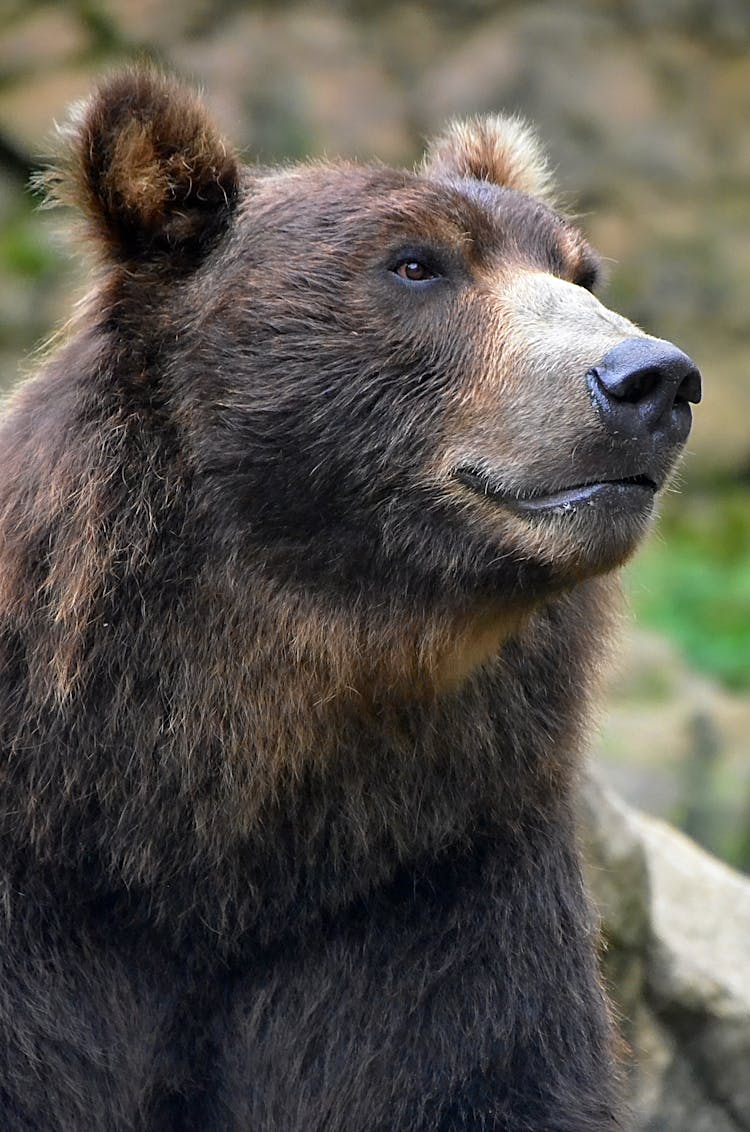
(643, 386)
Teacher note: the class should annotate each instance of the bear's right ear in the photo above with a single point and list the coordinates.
(147, 167)
(498, 148)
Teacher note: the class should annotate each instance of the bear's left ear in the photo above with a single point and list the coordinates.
(494, 148)
(147, 167)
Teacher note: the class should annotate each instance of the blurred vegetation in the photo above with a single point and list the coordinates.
(27, 257)
(692, 580)
(645, 107)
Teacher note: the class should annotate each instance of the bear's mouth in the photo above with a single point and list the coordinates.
(637, 490)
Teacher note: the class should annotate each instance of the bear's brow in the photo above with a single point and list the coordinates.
(501, 222)
(537, 232)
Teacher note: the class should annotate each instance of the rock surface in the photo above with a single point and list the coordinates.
(676, 925)
(674, 742)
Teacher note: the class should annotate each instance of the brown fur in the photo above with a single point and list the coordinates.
(142, 163)
(503, 150)
(292, 697)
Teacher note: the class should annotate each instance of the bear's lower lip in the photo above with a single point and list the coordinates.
(629, 491)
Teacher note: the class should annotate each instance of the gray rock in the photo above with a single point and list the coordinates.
(676, 925)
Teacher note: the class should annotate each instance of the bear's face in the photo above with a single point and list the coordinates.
(388, 381)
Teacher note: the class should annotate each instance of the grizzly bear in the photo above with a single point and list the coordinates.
(307, 541)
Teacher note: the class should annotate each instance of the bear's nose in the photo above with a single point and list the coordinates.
(644, 386)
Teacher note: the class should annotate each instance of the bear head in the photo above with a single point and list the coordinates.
(391, 387)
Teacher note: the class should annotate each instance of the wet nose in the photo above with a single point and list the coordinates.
(645, 386)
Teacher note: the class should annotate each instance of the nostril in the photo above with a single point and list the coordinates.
(689, 388)
(638, 386)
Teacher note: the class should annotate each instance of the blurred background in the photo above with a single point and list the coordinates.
(645, 109)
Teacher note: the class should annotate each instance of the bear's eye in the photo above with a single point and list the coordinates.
(587, 278)
(588, 272)
(414, 271)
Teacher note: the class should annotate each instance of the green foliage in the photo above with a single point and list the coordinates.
(32, 266)
(24, 247)
(692, 581)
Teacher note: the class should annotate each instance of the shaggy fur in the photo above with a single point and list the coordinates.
(289, 718)
(146, 168)
(503, 150)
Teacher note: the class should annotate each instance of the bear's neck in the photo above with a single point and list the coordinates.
(252, 721)
(243, 780)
